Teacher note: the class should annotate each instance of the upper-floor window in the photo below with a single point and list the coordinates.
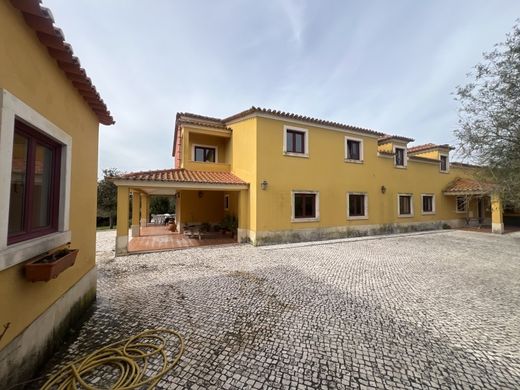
(444, 163)
(400, 157)
(35, 185)
(353, 149)
(205, 153)
(428, 204)
(357, 206)
(405, 205)
(295, 141)
(305, 205)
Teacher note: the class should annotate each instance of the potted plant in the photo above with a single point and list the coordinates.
(48, 266)
(229, 224)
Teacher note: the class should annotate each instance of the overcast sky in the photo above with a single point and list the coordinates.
(387, 65)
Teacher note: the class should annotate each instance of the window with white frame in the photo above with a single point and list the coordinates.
(444, 163)
(405, 205)
(305, 206)
(461, 204)
(399, 157)
(357, 205)
(35, 164)
(295, 141)
(353, 149)
(428, 203)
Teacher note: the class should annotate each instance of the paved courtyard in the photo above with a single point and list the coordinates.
(435, 310)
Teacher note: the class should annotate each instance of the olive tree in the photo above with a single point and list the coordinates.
(489, 116)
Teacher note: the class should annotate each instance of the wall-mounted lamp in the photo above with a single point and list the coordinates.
(201, 194)
(263, 185)
(383, 189)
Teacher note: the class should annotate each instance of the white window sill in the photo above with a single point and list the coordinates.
(305, 220)
(444, 171)
(461, 212)
(357, 218)
(22, 251)
(348, 160)
(405, 215)
(428, 213)
(400, 166)
(291, 154)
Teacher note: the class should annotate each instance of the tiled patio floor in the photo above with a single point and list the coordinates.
(156, 238)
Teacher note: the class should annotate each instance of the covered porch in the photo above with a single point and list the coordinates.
(479, 203)
(209, 208)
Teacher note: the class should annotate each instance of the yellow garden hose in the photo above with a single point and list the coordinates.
(140, 361)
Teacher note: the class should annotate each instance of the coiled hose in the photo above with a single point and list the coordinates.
(138, 362)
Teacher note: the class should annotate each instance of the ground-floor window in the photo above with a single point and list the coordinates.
(461, 204)
(35, 185)
(405, 205)
(305, 205)
(428, 204)
(357, 205)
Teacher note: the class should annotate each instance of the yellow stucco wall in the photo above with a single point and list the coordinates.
(201, 206)
(29, 73)
(434, 154)
(325, 171)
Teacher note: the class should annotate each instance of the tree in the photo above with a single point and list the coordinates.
(107, 195)
(489, 116)
(162, 204)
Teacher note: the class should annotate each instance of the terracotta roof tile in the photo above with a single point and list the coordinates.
(40, 19)
(422, 148)
(183, 176)
(469, 186)
(389, 137)
(288, 115)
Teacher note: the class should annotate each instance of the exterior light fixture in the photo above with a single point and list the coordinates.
(263, 185)
(201, 194)
(383, 189)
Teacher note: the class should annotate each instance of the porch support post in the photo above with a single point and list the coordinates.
(122, 221)
(178, 212)
(243, 233)
(497, 222)
(136, 197)
(144, 210)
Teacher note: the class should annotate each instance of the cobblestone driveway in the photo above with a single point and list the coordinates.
(432, 310)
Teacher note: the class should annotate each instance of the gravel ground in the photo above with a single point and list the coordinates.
(435, 310)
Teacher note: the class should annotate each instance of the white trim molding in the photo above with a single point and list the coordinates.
(316, 206)
(305, 142)
(422, 204)
(361, 155)
(365, 216)
(399, 206)
(11, 109)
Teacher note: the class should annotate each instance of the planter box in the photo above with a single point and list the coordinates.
(43, 272)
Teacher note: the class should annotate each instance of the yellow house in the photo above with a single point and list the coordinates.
(289, 178)
(49, 121)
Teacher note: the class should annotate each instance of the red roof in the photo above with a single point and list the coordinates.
(422, 148)
(41, 21)
(468, 186)
(184, 176)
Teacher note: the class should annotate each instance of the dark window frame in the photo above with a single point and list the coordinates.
(293, 133)
(464, 203)
(444, 163)
(359, 152)
(432, 203)
(303, 213)
(353, 205)
(409, 205)
(205, 149)
(400, 160)
(36, 138)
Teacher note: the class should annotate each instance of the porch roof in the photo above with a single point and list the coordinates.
(181, 178)
(465, 186)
